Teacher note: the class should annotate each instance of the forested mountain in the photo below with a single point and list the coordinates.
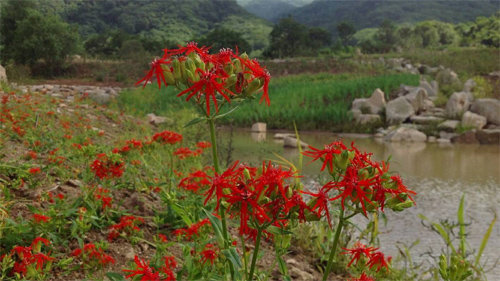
(166, 20)
(272, 10)
(370, 13)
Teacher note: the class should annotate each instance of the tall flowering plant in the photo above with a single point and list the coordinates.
(210, 82)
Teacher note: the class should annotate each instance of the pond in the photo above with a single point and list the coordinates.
(440, 174)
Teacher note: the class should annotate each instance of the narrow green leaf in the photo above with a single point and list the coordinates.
(195, 121)
(234, 258)
(114, 276)
(485, 241)
(225, 114)
(217, 226)
(181, 213)
(461, 221)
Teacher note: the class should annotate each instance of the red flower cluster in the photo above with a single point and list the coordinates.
(149, 273)
(35, 170)
(264, 198)
(209, 253)
(27, 256)
(208, 77)
(105, 168)
(363, 277)
(127, 225)
(167, 137)
(40, 218)
(91, 254)
(59, 196)
(362, 181)
(375, 258)
(102, 194)
(129, 145)
(192, 230)
(185, 152)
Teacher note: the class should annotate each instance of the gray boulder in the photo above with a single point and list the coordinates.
(469, 85)
(474, 120)
(449, 125)
(398, 110)
(99, 96)
(158, 120)
(448, 77)
(368, 119)
(405, 134)
(292, 142)
(431, 92)
(489, 108)
(3, 74)
(425, 120)
(417, 98)
(488, 136)
(457, 104)
(372, 105)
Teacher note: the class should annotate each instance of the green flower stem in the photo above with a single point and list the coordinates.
(222, 209)
(255, 253)
(334, 246)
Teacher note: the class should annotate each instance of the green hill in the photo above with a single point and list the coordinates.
(272, 10)
(172, 20)
(370, 13)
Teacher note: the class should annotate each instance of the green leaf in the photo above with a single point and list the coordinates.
(485, 241)
(182, 213)
(114, 276)
(461, 221)
(235, 260)
(217, 226)
(225, 114)
(195, 121)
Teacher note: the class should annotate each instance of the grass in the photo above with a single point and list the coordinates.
(313, 101)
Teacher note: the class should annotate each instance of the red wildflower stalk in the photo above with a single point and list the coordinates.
(327, 154)
(209, 253)
(358, 252)
(167, 137)
(363, 277)
(40, 218)
(192, 230)
(127, 225)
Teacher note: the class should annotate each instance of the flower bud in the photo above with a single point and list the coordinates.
(401, 206)
(169, 77)
(252, 87)
(244, 56)
(184, 76)
(237, 66)
(190, 65)
(231, 80)
(228, 68)
(177, 69)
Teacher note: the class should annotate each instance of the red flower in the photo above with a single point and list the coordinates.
(327, 154)
(163, 238)
(127, 224)
(363, 277)
(40, 218)
(35, 170)
(157, 70)
(192, 230)
(378, 259)
(259, 72)
(104, 167)
(195, 181)
(208, 86)
(203, 144)
(167, 137)
(358, 251)
(219, 182)
(143, 269)
(209, 254)
(321, 204)
(185, 152)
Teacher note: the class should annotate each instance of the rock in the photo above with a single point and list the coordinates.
(259, 127)
(99, 96)
(435, 86)
(258, 136)
(378, 135)
(467, 137)
(425, 120)
(492, 126)
(157, 120)
(447, 77)
(283, 135)
(130, 253)
(368, 119)
(292, 142)
(489, 108)
(457, 104)
(428, 104)
(431, 139)
(372, 105)
(300, 275)
(74, 183)
(3, 74)
(405, 134)
(474, 120)
(417, 98)
(488, 136)
(494, 74)
(469, 85)
(449, 125)
(443, 141)
(398, 110)
(428, 88)
(446, 135)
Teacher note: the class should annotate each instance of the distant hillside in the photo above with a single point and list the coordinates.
(272, 10)
(173, 20)
(370, 13)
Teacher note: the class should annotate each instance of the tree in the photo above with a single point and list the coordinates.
(386, 36)
(43, 37)
(288, 39)
(225, 38)
(319, 38)
(345, 31)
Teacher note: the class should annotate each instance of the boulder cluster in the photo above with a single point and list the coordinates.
(412, 111)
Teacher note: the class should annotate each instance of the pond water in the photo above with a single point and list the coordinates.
(440, 174)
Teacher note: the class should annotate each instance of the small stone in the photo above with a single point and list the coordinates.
(441, 140)
(406, 134)
(457, 104)
(449, 125)
(157, 120)
(468, 137)
(425, 120)
(283, 135)
(292, 142)
(259, 127)
(446, 135)
(488, 136)
(431, 139)
(74, 183)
